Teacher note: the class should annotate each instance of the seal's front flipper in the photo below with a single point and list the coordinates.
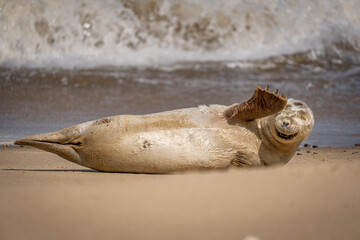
(244, 158)
(263, 103)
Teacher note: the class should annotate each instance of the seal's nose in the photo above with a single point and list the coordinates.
(285, 124)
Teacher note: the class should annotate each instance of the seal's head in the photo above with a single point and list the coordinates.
(293, 124)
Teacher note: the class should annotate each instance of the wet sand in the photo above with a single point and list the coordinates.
(315, 196)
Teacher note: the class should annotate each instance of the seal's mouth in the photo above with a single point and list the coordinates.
(284, 136)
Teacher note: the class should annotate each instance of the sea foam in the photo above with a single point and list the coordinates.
(93, 33)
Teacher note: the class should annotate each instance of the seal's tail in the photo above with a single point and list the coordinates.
(62, 143)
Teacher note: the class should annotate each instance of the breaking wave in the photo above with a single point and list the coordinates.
(93, 33)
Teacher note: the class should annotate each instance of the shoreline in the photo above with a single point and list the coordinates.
(314, 196)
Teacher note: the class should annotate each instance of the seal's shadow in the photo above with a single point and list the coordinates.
(51, 170)
(77, 170)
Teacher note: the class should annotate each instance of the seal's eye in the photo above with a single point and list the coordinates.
(298, 104)
(302, 115)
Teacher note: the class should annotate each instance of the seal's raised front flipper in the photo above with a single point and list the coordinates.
(263, 103)
(62, 143)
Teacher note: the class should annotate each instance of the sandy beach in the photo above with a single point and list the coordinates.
(67, 62)
(315, 196)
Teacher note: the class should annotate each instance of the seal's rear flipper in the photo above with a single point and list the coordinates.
(262, 104)
(62, 143)
(65, 151)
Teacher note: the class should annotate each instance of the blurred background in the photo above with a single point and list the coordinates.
(67, 62)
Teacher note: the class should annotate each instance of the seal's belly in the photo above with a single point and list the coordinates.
(163, 151)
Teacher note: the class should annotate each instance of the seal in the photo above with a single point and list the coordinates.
(265, 130)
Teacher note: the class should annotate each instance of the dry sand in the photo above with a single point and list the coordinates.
(315, 196)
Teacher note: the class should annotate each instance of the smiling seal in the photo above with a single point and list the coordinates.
(265, 130)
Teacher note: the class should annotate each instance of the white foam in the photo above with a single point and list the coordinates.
(93, 33)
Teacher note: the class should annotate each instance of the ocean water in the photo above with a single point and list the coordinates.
(67, 62)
